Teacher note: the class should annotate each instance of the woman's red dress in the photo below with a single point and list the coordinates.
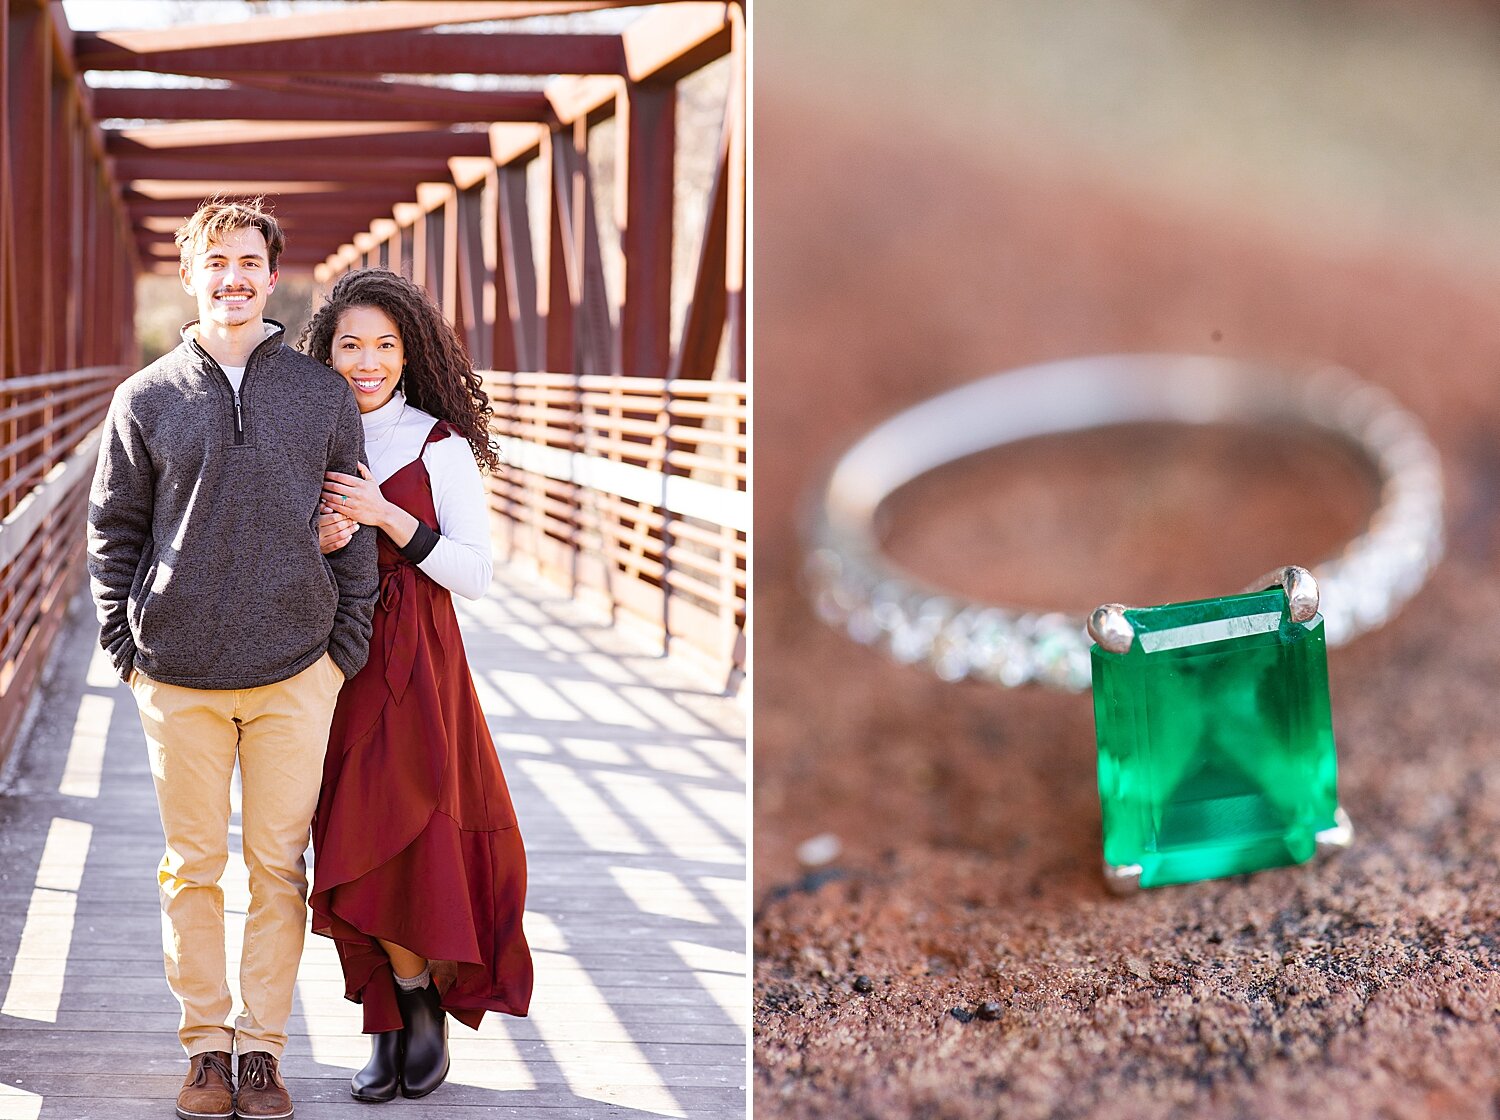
(415, 838)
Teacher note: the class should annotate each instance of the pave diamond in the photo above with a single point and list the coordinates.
(1216, 751)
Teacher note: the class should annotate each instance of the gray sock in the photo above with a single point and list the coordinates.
(412, 983)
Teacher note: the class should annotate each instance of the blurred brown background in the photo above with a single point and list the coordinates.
(947, 189)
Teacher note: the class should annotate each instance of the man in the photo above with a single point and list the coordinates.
(233, 632)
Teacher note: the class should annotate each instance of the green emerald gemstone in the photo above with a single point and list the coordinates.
(1215, 740)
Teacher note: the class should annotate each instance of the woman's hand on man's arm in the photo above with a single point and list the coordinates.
(334, 530)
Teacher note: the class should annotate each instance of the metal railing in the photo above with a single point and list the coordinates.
(49, 440)
(631, 491)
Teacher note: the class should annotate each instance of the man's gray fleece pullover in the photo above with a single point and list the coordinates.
(203, 534)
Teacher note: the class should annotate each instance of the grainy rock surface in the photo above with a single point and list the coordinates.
(892, 264)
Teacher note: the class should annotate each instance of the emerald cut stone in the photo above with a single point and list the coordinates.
(1215, 740)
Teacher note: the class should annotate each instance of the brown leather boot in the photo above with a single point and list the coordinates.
(262, 1094)
(208, 1091)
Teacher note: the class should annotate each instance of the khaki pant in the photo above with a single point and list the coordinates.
(279, 733)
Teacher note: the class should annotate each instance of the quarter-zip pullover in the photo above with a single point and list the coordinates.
(203, 534)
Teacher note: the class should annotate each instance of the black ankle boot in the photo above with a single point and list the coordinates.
(424, 1039)
(381, 1077)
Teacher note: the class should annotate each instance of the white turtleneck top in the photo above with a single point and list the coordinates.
(394, 434)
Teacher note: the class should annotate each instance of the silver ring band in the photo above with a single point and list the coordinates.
(856, 587)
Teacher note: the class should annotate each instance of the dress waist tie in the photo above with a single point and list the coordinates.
(396, 586)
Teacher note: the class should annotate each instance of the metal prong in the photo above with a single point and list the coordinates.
(1122, 880)
(1301, 589)
(1337, 838)
(1111, 629)
(1301, 593)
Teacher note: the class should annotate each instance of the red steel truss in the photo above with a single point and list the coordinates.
(485, 195)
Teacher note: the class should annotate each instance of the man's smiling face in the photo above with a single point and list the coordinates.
(230, 278)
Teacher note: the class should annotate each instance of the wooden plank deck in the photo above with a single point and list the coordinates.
(627, 772)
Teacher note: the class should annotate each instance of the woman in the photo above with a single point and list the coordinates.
(420, 875)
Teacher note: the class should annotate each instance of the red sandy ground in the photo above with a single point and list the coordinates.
(1365, 986)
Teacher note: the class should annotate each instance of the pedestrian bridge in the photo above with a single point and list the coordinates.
(533, 163)
(544, 169)
(627, 772)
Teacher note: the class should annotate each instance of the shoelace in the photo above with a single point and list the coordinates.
(257, 1069)
(219, 1066)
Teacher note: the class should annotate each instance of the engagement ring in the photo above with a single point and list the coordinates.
(1212, 719)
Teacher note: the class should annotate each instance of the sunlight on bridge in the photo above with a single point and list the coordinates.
(660, 892)
(17, 1104)
(721, 972)
(532, 697)
(590, 1044)
(41, 961)
(571, 796)
(676, 827)
(85, 764)
(596, 750)
(633, 820)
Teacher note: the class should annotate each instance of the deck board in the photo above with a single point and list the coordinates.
(628, 775)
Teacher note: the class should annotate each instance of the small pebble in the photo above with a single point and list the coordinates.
(960, 1014)
(863, 984)
(989, 1010)
(1138, 967)
(819, 850)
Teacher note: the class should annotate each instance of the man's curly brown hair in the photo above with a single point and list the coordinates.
(438, 377)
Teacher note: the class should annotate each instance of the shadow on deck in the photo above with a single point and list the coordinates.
(627, 773)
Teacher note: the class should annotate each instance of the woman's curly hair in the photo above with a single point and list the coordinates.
(438, 378)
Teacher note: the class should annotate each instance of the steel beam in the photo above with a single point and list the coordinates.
(671, 42)
(644, 179)
(98, 237)
(421, 252)
(430, 144)
(703, 325)
(9, 357)
(236, 104)
(297, 244)
(735, 264)
(593, 98)
(517, 268)
(386, 232)
(497, 345)
(393, 171)
(441, 103)
(339, 226)
(164, 136)
(28, 73)
(515, 143)
(389, 16)
(476, 311)
(435, 260)
(61, 222)
(450, 280)
(595, 329)
(718, 282)
(554, 288)
(408, 216)
(349, 202)
(379, 52)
